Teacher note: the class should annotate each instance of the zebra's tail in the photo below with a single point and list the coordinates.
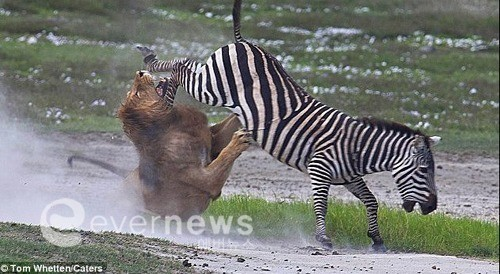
(237, 21)
(118, 171)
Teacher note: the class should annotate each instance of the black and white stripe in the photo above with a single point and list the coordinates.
(327, 144)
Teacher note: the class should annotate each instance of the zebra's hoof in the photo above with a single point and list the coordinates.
(145, 51)
(327, 245)
(379, 248)
(326, 242)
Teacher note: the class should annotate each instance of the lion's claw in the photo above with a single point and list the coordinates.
(242, 138)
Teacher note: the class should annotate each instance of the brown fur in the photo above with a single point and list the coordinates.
(183, 163)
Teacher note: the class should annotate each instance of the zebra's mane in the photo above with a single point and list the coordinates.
(389, 125)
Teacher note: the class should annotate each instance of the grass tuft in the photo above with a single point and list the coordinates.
(347, 225)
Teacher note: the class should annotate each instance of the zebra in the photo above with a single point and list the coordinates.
(330, 146)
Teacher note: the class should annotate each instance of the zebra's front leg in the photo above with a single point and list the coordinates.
(167, 88)
(153, 64)
(359, 188)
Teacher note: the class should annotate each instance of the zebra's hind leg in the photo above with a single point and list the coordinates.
(359, 188)
(320, 200)
(321, 178)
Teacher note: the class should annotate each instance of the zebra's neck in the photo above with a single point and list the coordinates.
(377, 148)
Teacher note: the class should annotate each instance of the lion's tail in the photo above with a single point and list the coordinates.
(116, 170)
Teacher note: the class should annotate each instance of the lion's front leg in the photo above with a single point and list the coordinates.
(222, 134)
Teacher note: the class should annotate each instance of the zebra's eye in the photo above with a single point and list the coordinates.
(423, 163)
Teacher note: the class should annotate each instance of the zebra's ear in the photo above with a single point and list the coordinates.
(434, 140)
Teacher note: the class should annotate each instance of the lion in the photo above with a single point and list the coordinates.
(183, 163)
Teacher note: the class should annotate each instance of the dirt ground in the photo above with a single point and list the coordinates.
(37, 173)
(467, 185)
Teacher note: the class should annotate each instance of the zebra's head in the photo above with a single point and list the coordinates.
(414, 174)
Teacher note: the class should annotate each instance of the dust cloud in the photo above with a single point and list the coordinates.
(34, 176)
(38, 186)
(18, 148)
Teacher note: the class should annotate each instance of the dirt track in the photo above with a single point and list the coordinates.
(38, 174)
(467, 185)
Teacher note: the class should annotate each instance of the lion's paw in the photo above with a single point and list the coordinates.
(242, 138)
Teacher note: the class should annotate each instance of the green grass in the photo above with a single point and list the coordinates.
(121, 253)
(347, 225)
(89, 124)
(455, 90)
(483, 143)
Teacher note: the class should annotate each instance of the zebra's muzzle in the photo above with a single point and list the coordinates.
(409, 205)
(430, 206)
(425, 208)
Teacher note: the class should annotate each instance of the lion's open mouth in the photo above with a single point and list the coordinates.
(161, 88)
